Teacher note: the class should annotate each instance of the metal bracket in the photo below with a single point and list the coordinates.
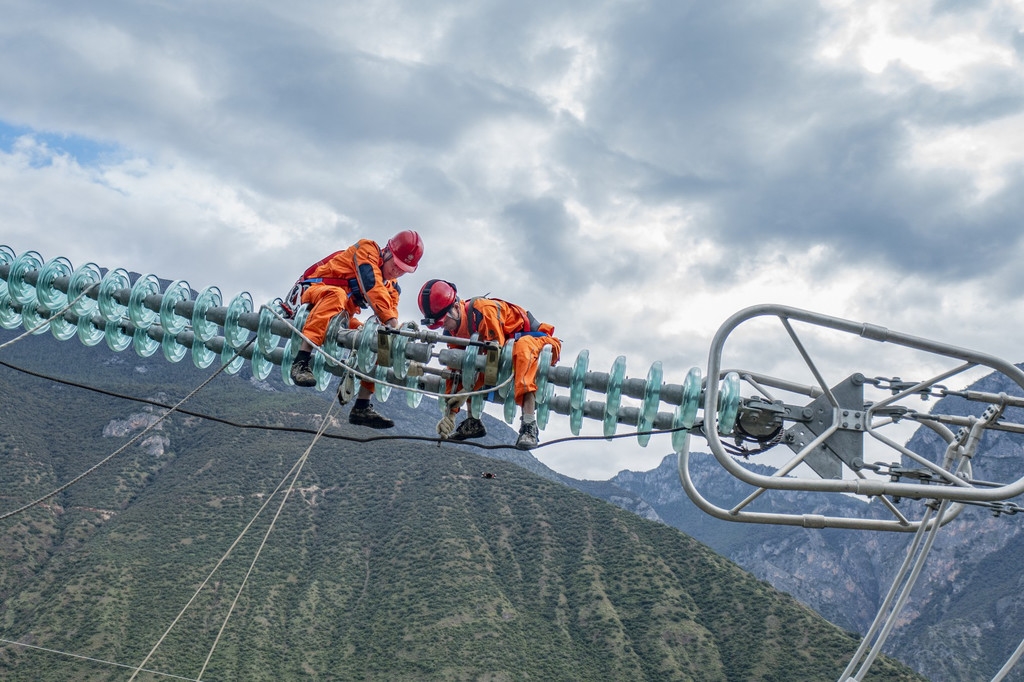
(845, 446)
(383, 347)
(491, 368)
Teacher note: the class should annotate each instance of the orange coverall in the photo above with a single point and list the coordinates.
(497, 320)
(360, 264)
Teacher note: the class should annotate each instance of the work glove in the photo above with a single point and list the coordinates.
(411, 325)
(446, 427)
(455, 404)
(415, 369)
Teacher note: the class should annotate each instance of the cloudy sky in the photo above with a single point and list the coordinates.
(633, 171)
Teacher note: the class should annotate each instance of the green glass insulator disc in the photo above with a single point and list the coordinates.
(544, 407)
(266, 341)
(174, 351)
(49, 296)
(177, 292)
(649, 407)
(204, 329)
(543, 367)
(230, 359)
(476, 406)
(293, 345)
(61, 329)
(691, 397)
(113, 282)
(685, 415)
(261, 366)
(20, 290)
(319, 366)
(681, 444)
(88, 333)
(575, 421)
(613, 395)
(331, 347)
(510, 407)
(141, 316)
(399, 362)
(331, 353)
(202, 357)
(728, 403)
(32, 320)
(366, 356)
(577, 388)
(413, 398)
(381, 391)
(236, 335)
(84, 278)
(116, 339)
(145, 345)
(469, 373)
(9, 317)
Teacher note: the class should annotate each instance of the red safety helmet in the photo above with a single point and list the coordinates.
(436, 298)
(406, 248)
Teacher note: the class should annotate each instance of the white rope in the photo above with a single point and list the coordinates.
(121, 449)
(214, 570)
(95, 660)
(291, 486)
(366, 377)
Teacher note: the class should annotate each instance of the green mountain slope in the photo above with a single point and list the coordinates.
(391, 560)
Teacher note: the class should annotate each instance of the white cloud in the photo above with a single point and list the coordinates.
(170, 220)
(635, 172)
(942, 48)
(988, 152)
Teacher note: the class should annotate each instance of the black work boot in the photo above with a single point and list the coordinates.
(301, 373)
(471, 427)
(369, 417)
(529, 436)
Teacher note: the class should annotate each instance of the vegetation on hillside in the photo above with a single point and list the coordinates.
(391, 560)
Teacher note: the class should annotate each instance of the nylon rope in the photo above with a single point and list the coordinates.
(121, 449)
(221, 561)
(95, 660)
(90, 658)
(291, 486)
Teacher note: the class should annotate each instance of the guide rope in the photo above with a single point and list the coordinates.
(118, 451)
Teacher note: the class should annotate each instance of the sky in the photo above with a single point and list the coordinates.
(632, 171)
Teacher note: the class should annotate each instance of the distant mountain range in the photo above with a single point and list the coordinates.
(965, 615)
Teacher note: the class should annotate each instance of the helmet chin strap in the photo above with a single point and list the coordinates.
(457, 306)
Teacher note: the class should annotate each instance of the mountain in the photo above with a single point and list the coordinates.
(392, 559)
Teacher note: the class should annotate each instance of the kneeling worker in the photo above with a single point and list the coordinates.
(361, 276)
(493, 320)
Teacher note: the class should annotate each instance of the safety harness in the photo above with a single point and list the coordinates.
(530, 323)
(293, 300)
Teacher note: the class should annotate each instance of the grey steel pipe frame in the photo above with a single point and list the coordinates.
(900, 524)
(959, 490)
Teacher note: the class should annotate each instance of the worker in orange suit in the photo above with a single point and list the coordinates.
(362, 276)
(492, 320)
